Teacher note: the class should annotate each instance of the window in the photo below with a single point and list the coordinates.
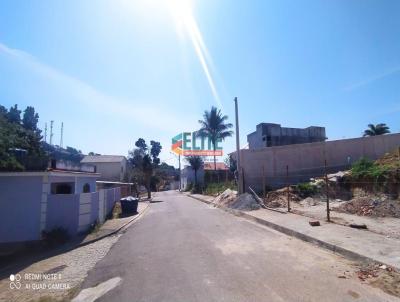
(62, 188)
(86, 188)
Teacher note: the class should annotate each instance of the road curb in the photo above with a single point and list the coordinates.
(329, 246)
(117, 230)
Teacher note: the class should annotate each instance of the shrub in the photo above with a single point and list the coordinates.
(189, 187)
(306, 189)
(197, 189)
(367, 169)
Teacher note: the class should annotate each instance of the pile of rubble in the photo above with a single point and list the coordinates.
(278, 198)
(229, 198)
(371, 205)
(225, 198)
(245, 202)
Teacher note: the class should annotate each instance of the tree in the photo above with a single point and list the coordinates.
(3, 111)
(155, 152)
(20, 144)
(143, 162)
(213, 126)
(195, 162)
(377, 129)
(14, 115)
(30, 119)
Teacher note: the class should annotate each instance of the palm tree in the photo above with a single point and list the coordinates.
(213, 125)
(195, 162)
(377, 129)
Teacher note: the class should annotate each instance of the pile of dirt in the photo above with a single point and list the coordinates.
(374, 206)
(381, 276)
(225, 198)
(391, 159)
(245, 202)
(278, 198)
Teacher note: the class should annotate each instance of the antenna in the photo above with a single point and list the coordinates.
(45, 132)
(51, 132)
(62, 132)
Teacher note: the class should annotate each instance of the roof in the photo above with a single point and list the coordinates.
(103, 159)
(210, 166)
(58, 173)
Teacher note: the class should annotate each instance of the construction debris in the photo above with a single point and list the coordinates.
(358, 226)
(371, 205)
(229, 198)
(309, 201)
(278, 198)
(314, 223)
(225, 198)
(245, 202)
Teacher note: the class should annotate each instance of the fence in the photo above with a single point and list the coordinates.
(331, 186)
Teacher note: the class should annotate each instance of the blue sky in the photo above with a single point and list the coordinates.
(114, 71)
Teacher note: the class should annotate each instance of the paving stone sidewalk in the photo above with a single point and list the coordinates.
(355, 244)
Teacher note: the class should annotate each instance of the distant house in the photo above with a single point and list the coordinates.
(110, 167)
(209, 166)
(187, 174)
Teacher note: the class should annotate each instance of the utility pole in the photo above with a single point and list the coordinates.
(328, 210)
(62, 132)
(45, 132)
(288, 189)
(238, 167)
(180, 173)
(51, 132)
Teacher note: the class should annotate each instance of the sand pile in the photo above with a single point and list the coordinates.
(245, 202)
(225, 198)
(229, 198)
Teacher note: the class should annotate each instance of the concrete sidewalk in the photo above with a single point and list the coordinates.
(355, 244)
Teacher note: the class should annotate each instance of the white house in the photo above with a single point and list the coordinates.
(110, 167)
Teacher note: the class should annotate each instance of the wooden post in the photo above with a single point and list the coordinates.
(238, 164)
(288, 189)
(263, 181)
(328, 214)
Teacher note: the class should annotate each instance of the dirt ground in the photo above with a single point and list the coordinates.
(380, 276)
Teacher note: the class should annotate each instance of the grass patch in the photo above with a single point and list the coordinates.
(306, 189)
(367, 169)
(217, 188)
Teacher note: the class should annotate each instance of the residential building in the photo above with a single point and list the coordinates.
(270, 135)
(110, 167)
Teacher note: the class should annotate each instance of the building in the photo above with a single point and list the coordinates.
(270, 165)
(110, 167)
(204, 174)
(270, 135)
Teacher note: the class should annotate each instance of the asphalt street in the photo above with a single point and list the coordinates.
(185, 250)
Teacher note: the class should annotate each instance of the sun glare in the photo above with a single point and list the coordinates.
(182, 13)
(180, 9)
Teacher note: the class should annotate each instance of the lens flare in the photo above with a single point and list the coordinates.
(182, 13)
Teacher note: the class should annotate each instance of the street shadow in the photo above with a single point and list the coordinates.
(156, 201)
(32, 253)
(124, 215)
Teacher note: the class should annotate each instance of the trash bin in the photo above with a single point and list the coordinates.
(129, 205)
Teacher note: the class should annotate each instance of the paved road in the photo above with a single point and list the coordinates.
(185, 250)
